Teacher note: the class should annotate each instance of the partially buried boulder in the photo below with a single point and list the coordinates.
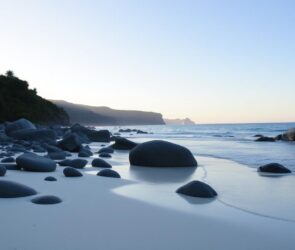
(197, 189)
(105, 155)
(100, 163)
(161, 154)
(35, 163)
(8, 160)
(78, 163)
(11, 189)
(108, 173)
(274, 168)
(108, 150)
(72, 172)
(50, 178)
(46, 200)
(122, 143)
(265, 138)
(70, 143)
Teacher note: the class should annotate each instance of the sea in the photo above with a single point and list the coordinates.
(228, 141)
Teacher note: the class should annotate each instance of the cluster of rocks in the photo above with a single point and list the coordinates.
(287, 136)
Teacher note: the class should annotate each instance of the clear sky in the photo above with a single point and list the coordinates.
(210, 60)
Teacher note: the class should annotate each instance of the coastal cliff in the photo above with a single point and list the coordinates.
(92, 115)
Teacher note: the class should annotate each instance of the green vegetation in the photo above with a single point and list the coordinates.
(18, 101)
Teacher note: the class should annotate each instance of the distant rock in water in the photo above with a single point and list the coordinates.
(123, 144)
(35, 163)
(46, 200)
(265, 139)
(274, 168)
(159, 153)
(287, 136)
(28, 105)
(11, 189)
(91, 115)
(197, 189)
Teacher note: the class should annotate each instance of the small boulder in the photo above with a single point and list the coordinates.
(78, 163)
(72, 172)
(8, 160)
(105, 155)
(64, 163)
(197, 189)
(161, 154)
(108, 173)
(57, 155)
(274, 168)
(50, 178)
(34, 135)
(35, 163)
(100, 163)
(2, 170)
(108, 150)
(70, 143)
(46, 200)
(122, 143)
(11, 189)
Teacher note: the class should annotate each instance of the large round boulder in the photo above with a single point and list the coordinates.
(34, 135)
(11, 189)
(274, 168)
(159, 153)
(35, 163)
(197, 189)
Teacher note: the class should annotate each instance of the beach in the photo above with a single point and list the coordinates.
(141, 210)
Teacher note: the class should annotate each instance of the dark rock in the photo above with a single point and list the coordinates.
(289, 135)
(265, 138)
(50, 178)
(35, 163)
(66, 162)
(70, 143)
(105, 155)
(46, 200)
(161, 154)
(78, 163)
(8, 160)
(108, 150)
(57, 155)
(100, 163)
(10, 166)
(18, 125)
(274, 168)
(11, 189)
(34, 135)
(108, 173)
(100, 136)
(85, 153)
(197, 189)
(72, 172)
(52, 148)
(2, 170)
(258, 135)
(123, 144)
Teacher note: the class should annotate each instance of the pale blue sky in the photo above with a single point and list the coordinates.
(210, 60)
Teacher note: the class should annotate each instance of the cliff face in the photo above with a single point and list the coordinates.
(18, 101)
(91, 115)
